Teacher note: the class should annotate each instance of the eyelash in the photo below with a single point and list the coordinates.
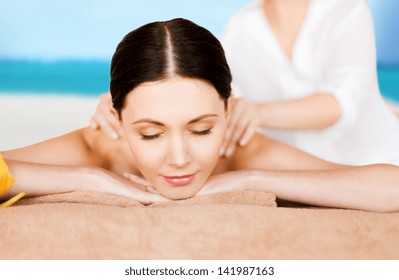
(150, 137)
(195, 133)
(201, 133)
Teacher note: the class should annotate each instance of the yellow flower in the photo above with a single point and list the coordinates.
(6, 182)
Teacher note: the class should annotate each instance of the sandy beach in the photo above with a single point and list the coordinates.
(27, 118)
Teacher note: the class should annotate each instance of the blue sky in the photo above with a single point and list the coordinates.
(51, 29)
(386, 24)
(90, 29)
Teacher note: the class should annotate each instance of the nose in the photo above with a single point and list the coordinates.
(179, 155)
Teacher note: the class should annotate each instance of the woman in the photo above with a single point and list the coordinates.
(170, 86)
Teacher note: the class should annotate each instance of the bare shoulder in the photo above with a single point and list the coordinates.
(73, 148)
(114, 155)
(82, 147)
(263, 152)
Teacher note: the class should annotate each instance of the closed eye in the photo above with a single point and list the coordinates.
(150, 137)
(194, 132)
(201, 133)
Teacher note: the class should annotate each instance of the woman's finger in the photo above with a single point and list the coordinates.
(137, 179)
(152, 190)
(149, 198)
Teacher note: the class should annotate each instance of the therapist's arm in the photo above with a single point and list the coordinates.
(317, 111)
(348, 75)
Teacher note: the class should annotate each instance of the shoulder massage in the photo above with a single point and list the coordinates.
(170, 85)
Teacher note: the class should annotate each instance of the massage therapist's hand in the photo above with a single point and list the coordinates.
(105, 117)
(117, 185)
(242, 124)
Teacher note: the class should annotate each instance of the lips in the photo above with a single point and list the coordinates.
(179, 181)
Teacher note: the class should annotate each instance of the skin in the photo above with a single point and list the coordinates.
(163, 134)
(179, 133)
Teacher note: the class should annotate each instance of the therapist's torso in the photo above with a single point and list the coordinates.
(334, 52)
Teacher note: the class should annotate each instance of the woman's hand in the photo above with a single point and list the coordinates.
(226, 182)
(242, 124)
(105, 117)
(126, 187)
(143, 183)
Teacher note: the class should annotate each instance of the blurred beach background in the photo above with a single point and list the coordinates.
(55, 55)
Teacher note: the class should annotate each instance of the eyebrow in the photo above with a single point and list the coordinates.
(197, 119)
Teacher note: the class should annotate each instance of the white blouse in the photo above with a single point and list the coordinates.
(334, 53)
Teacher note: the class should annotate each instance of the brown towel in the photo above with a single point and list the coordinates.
(79, 226)
(97, 198)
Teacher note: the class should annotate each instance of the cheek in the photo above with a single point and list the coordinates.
(205, 150)
(148, 157)
(209, 147)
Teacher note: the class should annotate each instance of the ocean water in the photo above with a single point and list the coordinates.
(388, 80)
(60, 77)
(91, 78)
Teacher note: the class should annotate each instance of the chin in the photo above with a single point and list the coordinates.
(177, 193)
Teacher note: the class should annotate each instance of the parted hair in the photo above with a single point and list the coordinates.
(163, 49)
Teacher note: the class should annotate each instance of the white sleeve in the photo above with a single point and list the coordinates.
(349, 68)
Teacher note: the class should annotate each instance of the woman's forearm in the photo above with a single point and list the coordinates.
(317, 111)
(371, 188)
(40, 179)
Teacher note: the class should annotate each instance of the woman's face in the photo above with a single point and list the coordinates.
(175, 128)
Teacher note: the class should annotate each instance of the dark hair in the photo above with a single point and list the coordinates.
(160, 50)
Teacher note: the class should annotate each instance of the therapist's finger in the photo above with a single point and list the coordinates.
(110, 117)
(236, 113)
(231, 127)
(241, 128)
(108, 126)
(239, 122)
(93, 123)
(247, 135)
(106, 117)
